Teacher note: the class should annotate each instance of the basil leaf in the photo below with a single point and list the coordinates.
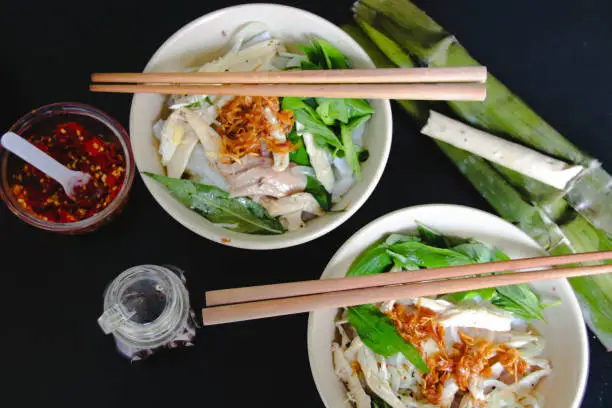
(241, 214)
(333, 58)
(430, 237)
(323, 197)
(499, 255)
(358, 107)
(307, 66)
(299, 155)
(332, 109)
(373, 260)
(378, 332)
(476, 251)
(314, 54)
(485, 294)
(428, 256)
(378, 402)
(520, 300)
(308, 117)
(356, 122)
(402, 262)
(350, 151)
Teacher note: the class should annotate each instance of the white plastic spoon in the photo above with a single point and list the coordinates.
(69, 179)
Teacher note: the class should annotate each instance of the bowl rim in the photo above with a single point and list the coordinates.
(268, 242)
(93, 113)
(583, 335)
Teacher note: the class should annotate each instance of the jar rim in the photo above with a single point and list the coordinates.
(166, 325)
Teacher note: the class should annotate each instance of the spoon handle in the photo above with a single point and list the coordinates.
(36, 157)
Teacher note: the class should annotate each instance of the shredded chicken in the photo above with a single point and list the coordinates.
(467, 359)
(417, 327)
(245, 129)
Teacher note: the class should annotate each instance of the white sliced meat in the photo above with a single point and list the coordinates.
(435, 305)
(264, 181)
(281, 160)
(448, 392)
(476, 316)
(318, 159)
(344, 179)
(251, 58)
(245, 163)
(204, 170)
(208, 137)
(374, 378)
(178, 163)
(292, 221)
(346, 373)
(295, 202)
(171, 136)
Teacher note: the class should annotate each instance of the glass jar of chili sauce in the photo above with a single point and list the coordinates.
(82, 138)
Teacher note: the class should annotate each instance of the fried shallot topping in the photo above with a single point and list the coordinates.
(249, 125)
(468, 358)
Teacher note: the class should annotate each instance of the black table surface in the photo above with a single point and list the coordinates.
(552, 53)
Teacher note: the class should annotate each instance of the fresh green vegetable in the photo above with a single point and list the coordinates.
(311, 121)
(237, 214)
(378, 332)
(520, 300)
(323, 55)
(540, 211)
(427, 256)
(484, 294)
(331, 110)
(350, 151)
(373, 260)
(378, 402)
(300, 155)
(314, 187)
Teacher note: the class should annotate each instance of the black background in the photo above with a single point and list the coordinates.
(555, 54)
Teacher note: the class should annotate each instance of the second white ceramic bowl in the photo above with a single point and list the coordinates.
(564, 329)
(208, 37)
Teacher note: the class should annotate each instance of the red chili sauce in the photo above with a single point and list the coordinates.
(78, 149)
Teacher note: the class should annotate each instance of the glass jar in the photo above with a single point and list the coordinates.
(147, 307)
(101, 125)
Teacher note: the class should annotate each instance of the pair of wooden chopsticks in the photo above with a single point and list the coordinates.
(456, 84)
(234, 305)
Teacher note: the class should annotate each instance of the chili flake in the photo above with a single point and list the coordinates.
(78, 149)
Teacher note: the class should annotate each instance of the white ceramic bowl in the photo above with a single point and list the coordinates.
(207, 38)
(565, 333)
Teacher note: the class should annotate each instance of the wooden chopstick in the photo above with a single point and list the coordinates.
(449, 92)
(339, 76)
(282, 290)
(301, 304)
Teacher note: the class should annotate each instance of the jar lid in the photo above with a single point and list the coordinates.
(145, 306)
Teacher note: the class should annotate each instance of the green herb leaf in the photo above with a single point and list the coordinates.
(357, 122)
(323, 197)
(378, 402)
(485, 294)
(334, 59)
(308, 117)
(430, 237)
(428, 256)
(373, 260)
(299, 155)
(476, 251)
(240, 214)
(350, 151)
(520, 300)
(378, 332)
(307, 66)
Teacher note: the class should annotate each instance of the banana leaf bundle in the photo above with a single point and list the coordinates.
(575, 219)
